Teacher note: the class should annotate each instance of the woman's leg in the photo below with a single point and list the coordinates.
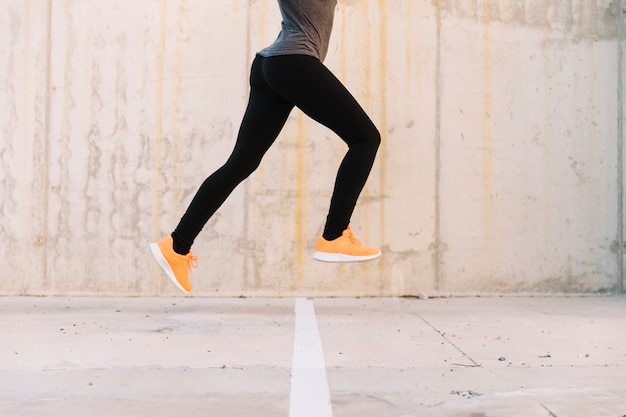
(307, 83)
(263, 120)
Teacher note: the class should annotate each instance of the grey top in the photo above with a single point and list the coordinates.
(306, 28)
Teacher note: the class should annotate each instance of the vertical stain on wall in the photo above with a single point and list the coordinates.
(245, 210)
(621, 31)
(365, 51)
(343, 36)
(64, 179)
(42, 155)
(93, 132)
(487, 130)
(26, 126)
(9, 126)
(383, 31)
(302, 156)
(179, 113)
(158, 138)
(435, 247)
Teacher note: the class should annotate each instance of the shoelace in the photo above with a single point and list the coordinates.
(352, 238)
(192, 260)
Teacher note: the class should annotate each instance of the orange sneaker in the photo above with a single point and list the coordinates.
(346, 248)
(176, 266)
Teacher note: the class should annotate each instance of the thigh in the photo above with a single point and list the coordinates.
(310, 86)
(264, 118)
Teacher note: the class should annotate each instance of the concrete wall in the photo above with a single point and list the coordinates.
(498, 171)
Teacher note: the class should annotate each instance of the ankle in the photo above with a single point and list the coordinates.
(332, 233)
(180, 248)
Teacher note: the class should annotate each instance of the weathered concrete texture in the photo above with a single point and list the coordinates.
(498, 170)
(572, 19)
(384, 357)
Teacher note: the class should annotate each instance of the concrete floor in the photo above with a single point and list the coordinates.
(465, 357)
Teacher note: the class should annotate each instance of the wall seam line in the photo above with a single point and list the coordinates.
(46, 144)
(620, 145)
(437, 191)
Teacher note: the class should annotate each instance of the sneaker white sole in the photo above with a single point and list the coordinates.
(340, 257)
(158, 255)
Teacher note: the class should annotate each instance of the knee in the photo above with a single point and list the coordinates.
(241, 168)
(371, 139)
(375, 138)
(246, 170)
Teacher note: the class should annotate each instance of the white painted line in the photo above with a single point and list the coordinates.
(309, 396)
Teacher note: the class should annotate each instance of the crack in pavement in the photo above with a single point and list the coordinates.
(549, 411)
(474, 363)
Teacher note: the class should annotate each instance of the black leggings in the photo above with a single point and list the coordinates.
(277, 85)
